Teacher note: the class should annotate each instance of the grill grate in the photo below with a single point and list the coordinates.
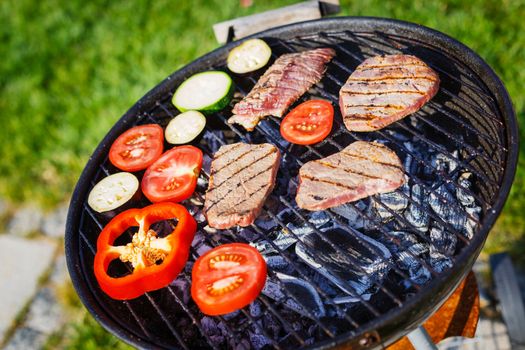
(462, 124)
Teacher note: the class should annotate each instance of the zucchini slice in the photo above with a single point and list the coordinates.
(113, 191)
(207, 92)
(185, 127)
(250, 56)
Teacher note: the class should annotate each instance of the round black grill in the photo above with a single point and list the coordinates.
(362, 273)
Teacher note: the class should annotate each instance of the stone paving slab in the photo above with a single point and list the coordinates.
(54, 223)
(22, 262)
(25, 221)
(26, 339)
(45, 314)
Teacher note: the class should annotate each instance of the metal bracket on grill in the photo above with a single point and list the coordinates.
(243, 26)
(366, 341)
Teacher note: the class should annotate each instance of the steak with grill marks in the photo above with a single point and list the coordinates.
(360, 170)
(242, 176)
(281, 85)
(384, 89)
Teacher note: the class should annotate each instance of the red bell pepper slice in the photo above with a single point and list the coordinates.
(145, 251)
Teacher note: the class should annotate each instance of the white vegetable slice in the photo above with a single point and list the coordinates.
(207, 92)
(251, 55)
(185, 127)
(113, 191)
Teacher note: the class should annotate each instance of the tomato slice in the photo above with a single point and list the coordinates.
(137, 148)
(308, 123)
(173, 177)
(227, 278)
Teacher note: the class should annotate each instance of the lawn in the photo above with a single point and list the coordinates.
(70, 69)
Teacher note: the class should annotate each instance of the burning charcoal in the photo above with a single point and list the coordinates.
(200, 218)
(439, 261)
(395, 201)
(319, 218)
(349, 299)
(397, 134)
(417, 213)
(244, 344)
(231, 315)
(409, 252)
(325, 284)
(303, 292)
(183, 286)
(278, 263)
(212, 330)
(445, 205)
(209, 229)
(312, 330)
(271, 325)
(445, 163)
(409, 162)
(409, 165)
(443, 241)
(285, 239)
(472, 221)
(353, 267)
(443, 246)
(273, 133)
(255, 308)
(264, 247)
(206, 164)
(266, 224)
(202, 184)
(196, 212)
(203, 248)
(214, 139)
(248, 234)
(258, 341)
(416, 123)
(356, 213)
(198, 239)
(285, 213)
(464, 197)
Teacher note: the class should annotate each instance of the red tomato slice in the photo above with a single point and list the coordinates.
(308, 123)
(137, 148)
(227, 278)
(173, 176)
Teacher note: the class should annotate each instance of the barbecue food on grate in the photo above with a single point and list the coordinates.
(308, 123)
(227, 278)
(384, 89)
(360, 170)
(281, 85)
(242, 176)
(250, 56)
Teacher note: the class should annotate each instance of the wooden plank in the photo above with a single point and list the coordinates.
(244, 26)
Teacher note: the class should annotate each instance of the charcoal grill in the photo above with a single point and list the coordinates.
(470, 124)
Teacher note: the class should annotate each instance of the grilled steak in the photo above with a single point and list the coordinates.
(384, 89)
(360, 170)
(242, 176)
(281, 85)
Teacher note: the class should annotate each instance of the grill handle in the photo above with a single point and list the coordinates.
(240, 27)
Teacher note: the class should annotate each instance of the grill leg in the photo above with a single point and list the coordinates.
(421, 340)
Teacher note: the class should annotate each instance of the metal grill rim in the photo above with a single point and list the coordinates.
(470, 246)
